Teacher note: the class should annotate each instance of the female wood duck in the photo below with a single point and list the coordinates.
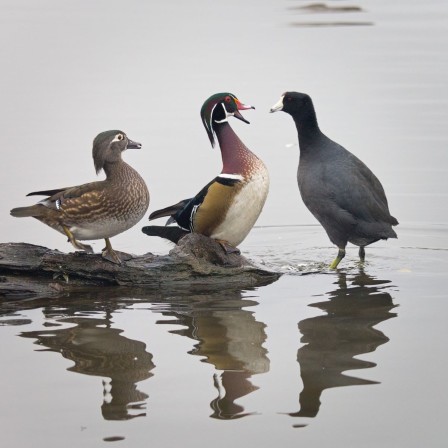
(100, 209)
(339, 189)
(227, 207)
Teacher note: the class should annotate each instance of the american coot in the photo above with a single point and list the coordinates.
(226, 208)
(338, 189)
(99, 209)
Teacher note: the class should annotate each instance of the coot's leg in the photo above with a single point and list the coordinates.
(337, 260)
(362, 253)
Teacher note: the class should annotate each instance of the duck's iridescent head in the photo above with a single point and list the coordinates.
(218, 108)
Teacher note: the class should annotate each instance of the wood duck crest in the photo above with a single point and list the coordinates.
(227, 207)
(236, 157)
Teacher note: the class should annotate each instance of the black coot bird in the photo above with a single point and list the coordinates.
(338, 189)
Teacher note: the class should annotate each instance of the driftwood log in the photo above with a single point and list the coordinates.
(29, 271)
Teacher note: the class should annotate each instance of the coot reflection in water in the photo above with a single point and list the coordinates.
(335, 340)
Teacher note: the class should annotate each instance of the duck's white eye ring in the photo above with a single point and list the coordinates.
(118, 138)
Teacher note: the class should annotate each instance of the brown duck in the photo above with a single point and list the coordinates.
(100, 209)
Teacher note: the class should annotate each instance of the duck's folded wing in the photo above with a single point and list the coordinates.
(74, 197)
(182, 213)
(47, 192)
(185, 216)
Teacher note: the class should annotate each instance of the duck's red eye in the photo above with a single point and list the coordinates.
(227, 99)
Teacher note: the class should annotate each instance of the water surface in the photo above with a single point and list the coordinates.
(355, 357)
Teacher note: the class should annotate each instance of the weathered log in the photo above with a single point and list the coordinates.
(27, 270)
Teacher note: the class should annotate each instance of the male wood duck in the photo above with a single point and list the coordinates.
(227, 208)
(339, 189)
(100, 209)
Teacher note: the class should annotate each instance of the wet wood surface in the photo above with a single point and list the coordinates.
(28, 271)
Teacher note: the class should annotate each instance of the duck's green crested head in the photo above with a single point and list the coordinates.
(218, 108)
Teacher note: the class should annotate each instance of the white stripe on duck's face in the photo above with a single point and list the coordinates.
(226, 113)
(118, 138)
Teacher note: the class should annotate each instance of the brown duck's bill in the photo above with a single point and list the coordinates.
(133, 145)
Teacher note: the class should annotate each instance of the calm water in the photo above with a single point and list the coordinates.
(263, 367)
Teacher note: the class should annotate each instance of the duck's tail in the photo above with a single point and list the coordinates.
(173, 234)
(169, 211)
(23, 212)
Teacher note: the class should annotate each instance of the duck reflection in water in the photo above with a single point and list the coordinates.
(333, 341)
(96, 349)
(230, 339)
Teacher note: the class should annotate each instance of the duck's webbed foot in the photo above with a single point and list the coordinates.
(337, 260)
(109, 254)
(76, 244)
(228, 248)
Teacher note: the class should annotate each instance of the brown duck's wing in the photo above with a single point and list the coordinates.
(67, 192)
(76, 197)
(47, 192)
(81, 190)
